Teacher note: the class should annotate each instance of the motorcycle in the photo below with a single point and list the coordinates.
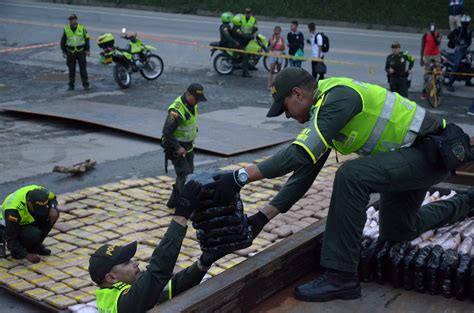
(465, 67)
(137, 57)
(226, 62)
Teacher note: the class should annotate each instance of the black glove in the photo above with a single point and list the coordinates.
(207, 258)
(188, 199)
(225, 187)
(257, 222)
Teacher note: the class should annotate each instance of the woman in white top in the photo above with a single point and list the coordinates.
(316, 41)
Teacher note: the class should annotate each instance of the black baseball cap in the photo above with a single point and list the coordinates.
(106, 257)
(282, 85)
(72, 17)
(39, 198)
(197, 91)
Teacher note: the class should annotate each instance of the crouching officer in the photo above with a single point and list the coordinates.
(124, 288)
(398, 67)
(27, 216)
(179, 132)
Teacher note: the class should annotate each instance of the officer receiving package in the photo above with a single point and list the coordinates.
(179, 132)
(27, 216)
(123, 288)
(388, 131)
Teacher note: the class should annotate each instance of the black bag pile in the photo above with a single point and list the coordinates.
(439, 261)
(220, 229)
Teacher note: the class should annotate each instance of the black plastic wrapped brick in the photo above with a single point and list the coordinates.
(471, 283)
(408, 268)
(395, 258)
(367, 255)
(449, 263)
(461, 280)
(434, 273)
(420, 269)
(381, 263)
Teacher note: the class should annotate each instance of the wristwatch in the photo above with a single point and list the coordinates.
(242, 177)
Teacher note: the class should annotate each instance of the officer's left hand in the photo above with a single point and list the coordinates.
(188, 199)
(207, 258)
(225, 187)
(88, 53)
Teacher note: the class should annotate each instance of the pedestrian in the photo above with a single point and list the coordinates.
(295, 41)
(462, 38)
(455, 11)
(386, 129)
(249, 23)
(179, 133)
(430, 53)
(398, 67)
(27, 216)
(316, 41)
(124, 288)
(75, 46)
(277, 48)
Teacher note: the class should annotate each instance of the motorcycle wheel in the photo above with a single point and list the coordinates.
(253, 60)
(223, 64)
(153, 67)
(266, 63)
(122, 76)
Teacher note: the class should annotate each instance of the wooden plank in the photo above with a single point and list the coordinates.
(219, 137)
(256, 279)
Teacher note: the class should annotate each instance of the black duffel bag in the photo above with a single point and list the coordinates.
(450, 147)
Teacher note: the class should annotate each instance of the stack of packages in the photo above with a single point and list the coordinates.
(220, 229)
(439, 261)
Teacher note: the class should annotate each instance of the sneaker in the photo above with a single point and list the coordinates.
(87, 87)
(328, 286)
(424, 95)
(469, 83)
(42, 250)
(70, 88)
(471, 109)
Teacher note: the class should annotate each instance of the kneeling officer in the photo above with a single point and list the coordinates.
(27, 216)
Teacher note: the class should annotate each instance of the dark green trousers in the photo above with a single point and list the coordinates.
(402, 179)
(400, 85)
(183, 167)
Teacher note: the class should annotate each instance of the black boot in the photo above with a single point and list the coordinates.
(469, 83)
(70, 87)
(172, 200)
(42, 250)
(328, 286)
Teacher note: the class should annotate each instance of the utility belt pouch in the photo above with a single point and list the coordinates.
(450, 147)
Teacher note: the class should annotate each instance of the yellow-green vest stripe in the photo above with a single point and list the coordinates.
(17, 201)
(387, 120)
(75, 40)
(107, 298)
(187, 128)
(247, 26)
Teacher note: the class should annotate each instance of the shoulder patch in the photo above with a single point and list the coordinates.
(13, 219)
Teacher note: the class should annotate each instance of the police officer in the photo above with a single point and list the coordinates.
(225, 31)
(398, 67)
(75, 47)
(27, 216)
(179, 133)
(242, 40)
(351, 117)
(124, 288)
(249, 23)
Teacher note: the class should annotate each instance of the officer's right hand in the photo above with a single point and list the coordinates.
(64, 55)
(188, 199)
(225, 187)
(33, 257)
(181, 152)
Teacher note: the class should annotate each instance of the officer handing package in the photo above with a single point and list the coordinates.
(179, 132)
(404, 150)
(27, 217)
(123, 288)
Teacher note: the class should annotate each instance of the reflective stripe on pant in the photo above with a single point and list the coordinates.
(71, 59)
(401, 177)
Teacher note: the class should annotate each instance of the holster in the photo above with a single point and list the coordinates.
(170, 154)
(450, 147)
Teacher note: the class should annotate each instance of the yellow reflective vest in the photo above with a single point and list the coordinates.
(187, 128)
(387, 122)
(75, 40)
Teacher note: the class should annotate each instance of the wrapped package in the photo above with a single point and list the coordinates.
(395, 257)
(461, 280)
(420, 268)
(381, 263)
(433, 266)
(449, 264)
(408, 268)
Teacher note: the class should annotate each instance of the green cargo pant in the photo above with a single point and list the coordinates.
(402, 178)
(400, 85)
(183, 167)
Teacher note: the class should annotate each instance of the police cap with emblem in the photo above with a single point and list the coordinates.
(39, 199)
(197, 91)
(286, 80)
(106, 257)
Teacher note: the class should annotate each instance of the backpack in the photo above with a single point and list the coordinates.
(325, 46)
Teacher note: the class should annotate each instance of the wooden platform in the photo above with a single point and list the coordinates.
(219, 137)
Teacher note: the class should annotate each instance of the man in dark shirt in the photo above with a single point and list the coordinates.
(75, 46)
(398, 67)
(295, 43)
(123, 288)
(462, 37)
(455, 11)
(393, 163)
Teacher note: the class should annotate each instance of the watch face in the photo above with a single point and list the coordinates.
(243, 177)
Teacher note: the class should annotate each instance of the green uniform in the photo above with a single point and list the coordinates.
(23, 231)
(180, 130)
(402, 176)
(248, 26)
(401, 63)
(157, 284)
